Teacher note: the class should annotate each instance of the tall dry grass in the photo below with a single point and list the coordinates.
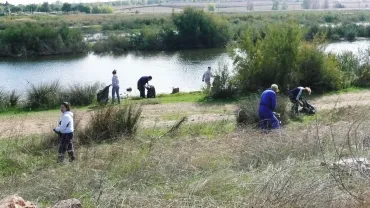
(240, 169)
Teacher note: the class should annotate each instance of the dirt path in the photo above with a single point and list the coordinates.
(162, 115)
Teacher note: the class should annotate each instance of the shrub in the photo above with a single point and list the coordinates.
(198, 29)
(79, 94)
(272, 56)
(317, 69)
(14, 97)
(44, 95)
(111, 123)
(222, 86)
(4, 100)
(247, 113)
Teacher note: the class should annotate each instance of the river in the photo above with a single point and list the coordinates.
(181, 69)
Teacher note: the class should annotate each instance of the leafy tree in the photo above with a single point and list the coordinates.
(326, 4)
(198, 29)
(66, 7)
(45, 7)
(284, 6)
(211, 7)
(15, 9)
(31, 8)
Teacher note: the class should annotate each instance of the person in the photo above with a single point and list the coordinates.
(65, 130)
(207, 77)
(295, 95)
(115, 87)
(267, 107)
(141, 84)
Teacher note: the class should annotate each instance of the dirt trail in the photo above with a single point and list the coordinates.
(162, 115)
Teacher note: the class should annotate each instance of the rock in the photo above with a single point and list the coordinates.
(69, 203)
(15, 201)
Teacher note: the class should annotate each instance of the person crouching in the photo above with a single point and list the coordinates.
(65, 130)
(295, 96)
(266, 109)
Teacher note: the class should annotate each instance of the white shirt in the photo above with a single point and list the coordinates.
(207, 76)
(115, 81)
(66, 124)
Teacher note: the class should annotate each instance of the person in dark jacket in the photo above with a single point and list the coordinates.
(295, 95)
(141, 84)
(267, 107)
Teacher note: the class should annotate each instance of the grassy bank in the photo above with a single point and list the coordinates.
(208, 164)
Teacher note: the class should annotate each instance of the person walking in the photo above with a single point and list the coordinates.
(295, 96)
(65, 131)
(115, 87)
(267, 107)
(141, 84)
(207, 77)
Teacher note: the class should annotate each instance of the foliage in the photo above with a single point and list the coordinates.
(33, 39)
(275, 5)
(4, 100)
(222, 86)
(80, 94)
(44, 95)
(211, 7)
(198, 29)
(14, 98)
(111, 122)
(247, 111)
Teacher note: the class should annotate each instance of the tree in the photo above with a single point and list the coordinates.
(30, 8)
(211, 7)
(15, 9)
(199, 29)
(66, 7)
(306, 4)
(275, 5)
(45, 7)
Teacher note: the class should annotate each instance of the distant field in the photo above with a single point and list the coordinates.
(235, 6)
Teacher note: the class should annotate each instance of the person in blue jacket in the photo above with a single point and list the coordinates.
(295, 95)
(267, 107)
(141, 84)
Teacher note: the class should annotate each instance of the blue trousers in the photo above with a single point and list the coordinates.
(115, 91)
(267, 118)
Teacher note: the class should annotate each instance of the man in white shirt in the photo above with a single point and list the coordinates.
(207, 77)
(115, 87)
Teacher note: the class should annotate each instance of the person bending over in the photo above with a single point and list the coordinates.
(295, 96)
(267, 107)
(141, 84)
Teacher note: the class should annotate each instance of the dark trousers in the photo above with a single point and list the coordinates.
(294, 102)
(66, 144)
(267, 118)
(141, 88)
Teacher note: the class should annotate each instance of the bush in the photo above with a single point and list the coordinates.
(79, 94)
(222, 86)
(4, 100)
(272, 56)
(317, 69)
(247, 113)
(14, 97)
(198, 29)
(44, 96)
(111, 123)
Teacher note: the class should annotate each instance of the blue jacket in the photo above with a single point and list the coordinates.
(296, 93)
(143, 80)
(268, 99)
